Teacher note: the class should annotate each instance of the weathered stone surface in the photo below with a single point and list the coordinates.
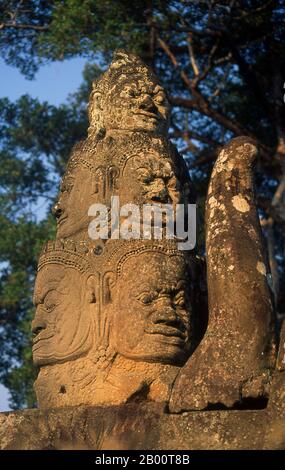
(127, 152)
(147, 425)
(114, 317)
(280, 365)
(275, 431)
(122, 357)
(115, 324)
(90, 350)
(236, 358)
(134, 426)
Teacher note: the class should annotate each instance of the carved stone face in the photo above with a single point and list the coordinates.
(150, 309)
(154, 181)
(136, 105)
(62, 323)
(75, 198)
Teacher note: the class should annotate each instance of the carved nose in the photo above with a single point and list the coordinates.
(167, 315)
(57, 210)
(37, 330)
(161, 196)
(148, 105)
(37, 326)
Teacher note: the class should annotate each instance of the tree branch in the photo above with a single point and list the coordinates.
(192, 56)
(204, 108)
(23, 26)
(174, 62)
(193, 135)
(208, 67)
(200, 103)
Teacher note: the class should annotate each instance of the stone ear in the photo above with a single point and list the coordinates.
(109, 281)
(92, 289)
(97, 97)
(95, 113)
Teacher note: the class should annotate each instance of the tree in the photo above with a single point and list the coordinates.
(221, 63)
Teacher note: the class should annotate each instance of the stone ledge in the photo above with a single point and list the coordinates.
(146, 425)
(138, 426)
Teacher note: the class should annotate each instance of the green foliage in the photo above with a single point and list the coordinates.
(20, 241)
(19, 45)
(36, 139)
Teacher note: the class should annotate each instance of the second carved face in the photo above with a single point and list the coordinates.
(62, 325)
(149, 312)
(135, 104)
(150, 309)
(77, 194)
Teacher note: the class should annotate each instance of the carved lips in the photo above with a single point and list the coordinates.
(168, 331)
(61, 220)
(172, 328)
(148, 114)
(39, 337)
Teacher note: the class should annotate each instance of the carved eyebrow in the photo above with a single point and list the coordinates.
(40, 295)
(142, 289)
(158, 89)
(173, 289)
(44, 293)
(35, 299)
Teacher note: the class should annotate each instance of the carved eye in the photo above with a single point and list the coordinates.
(49, 307)
(147, 179)
(160, 98)
(49, 302)
(147, 297)
(145, 176)
(131, 93)
(67, 184)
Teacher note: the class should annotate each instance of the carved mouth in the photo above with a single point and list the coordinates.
(148, 114)
(166, 330)
(61, 220)
(162, 197)
(39, 338)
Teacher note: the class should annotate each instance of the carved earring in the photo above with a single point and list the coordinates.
(91, 288)
(97, 98)
(109, 282)
(95, 116)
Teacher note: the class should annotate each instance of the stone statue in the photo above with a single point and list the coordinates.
(128, 98)
(65, 293)
(90, 349)
(126, 154)
(236, 358)
(115, 318)
(119, 320)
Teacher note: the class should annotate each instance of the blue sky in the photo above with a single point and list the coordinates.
(52, 83)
